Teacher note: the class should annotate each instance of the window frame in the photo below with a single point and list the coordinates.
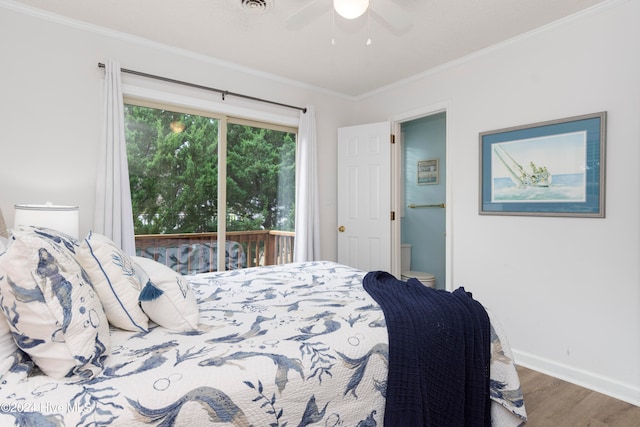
(223, 121)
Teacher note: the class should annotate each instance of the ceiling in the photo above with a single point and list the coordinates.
(300, 48)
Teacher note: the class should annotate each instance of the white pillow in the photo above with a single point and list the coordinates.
(113, 276)
(166, 297)
(4, 244)
(52, 309)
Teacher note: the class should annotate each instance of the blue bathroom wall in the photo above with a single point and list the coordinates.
(424, 228)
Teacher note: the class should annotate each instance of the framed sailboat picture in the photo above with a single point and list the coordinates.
(553, 168)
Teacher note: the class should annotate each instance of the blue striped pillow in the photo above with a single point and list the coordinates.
(113, 275)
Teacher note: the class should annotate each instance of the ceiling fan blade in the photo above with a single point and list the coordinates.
(307, 14)
(398, 18)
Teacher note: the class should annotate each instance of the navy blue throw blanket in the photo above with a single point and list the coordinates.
(439, 354)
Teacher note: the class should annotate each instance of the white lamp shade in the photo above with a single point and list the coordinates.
(350, 9)
(65, 219)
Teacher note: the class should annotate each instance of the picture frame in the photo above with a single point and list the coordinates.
(552, 168)
(428, 172)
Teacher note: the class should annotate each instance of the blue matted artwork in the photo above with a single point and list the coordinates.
(553, 168)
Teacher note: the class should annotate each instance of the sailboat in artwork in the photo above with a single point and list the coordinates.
(537, 177)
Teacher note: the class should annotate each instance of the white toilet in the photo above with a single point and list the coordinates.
(406, 274)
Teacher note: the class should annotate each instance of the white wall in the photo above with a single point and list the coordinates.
(50, 107)
(566, 289)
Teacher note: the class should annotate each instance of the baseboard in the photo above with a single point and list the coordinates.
(616, 389)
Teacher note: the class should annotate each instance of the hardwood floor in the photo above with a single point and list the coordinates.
(551, 402)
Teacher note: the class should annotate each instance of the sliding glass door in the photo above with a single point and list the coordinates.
(177, 159)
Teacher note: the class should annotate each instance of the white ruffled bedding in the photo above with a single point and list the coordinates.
(298, 344)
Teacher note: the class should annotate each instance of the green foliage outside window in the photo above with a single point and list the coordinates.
(173, 174)
(260, 179)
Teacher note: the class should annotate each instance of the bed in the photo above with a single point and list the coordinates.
(295, 344)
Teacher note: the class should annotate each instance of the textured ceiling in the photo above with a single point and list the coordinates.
(298, 45)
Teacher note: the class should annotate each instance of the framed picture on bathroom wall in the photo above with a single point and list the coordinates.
(428, 172)
(553, 168)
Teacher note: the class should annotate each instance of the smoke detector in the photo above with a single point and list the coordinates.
(257, 6)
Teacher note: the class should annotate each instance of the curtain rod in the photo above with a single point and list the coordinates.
(211, 89)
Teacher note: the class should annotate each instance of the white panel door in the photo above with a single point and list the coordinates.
(364, 196)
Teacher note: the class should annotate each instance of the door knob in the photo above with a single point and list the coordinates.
(341, 229)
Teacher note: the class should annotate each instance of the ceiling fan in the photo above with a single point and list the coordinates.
(386, 11)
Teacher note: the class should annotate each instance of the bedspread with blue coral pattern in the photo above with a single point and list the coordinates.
(291, 345)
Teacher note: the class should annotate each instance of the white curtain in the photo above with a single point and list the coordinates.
(113, 213)
(307, 242)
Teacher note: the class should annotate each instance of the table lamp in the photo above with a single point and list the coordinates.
(65, 219)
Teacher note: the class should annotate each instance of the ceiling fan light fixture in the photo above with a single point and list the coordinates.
(350, 9)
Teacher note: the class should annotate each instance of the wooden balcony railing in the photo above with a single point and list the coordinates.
(197, 252)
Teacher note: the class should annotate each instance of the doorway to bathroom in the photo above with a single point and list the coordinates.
(423, 197)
